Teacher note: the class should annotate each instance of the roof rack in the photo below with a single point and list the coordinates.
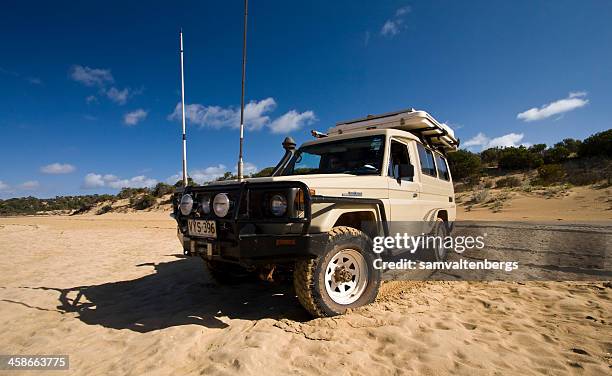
(432, 133)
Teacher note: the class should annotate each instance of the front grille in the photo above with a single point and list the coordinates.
(249, 205)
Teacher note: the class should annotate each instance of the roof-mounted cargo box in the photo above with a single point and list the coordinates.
(420, 123)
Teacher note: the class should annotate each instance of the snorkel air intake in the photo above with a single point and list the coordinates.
(289, 146)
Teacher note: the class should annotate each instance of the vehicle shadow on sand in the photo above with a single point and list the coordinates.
(178, 293)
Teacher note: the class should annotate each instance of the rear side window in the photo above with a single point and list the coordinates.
(442, 168)
(427, 161)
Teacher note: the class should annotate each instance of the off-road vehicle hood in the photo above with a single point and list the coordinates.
(340, 185)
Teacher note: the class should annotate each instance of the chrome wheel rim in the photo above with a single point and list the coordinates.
(346, 276)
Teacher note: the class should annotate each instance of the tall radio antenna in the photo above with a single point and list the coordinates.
(244, 41)
(183, 110)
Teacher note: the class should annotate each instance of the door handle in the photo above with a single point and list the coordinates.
(414, 195)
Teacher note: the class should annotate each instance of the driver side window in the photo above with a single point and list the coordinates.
(398, 156)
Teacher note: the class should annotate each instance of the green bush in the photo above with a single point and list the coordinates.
(490, 156)
(585, 171)
(190, 183)
(520, 158)
(550, 174)
(572, 145)
(508, 182)
(105, 209)
(131, 192)
(263, 173)
(464, 164)
(143, 202)
(227, 176)
(599, 144)
(556, 154)
(162, 189)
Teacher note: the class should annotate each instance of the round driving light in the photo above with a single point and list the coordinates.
(186, 204)
(221, 204)
(278, 205)
(206, 204)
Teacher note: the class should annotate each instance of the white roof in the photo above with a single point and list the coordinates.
(420, 123)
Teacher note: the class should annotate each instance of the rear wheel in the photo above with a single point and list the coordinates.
(342, 277)
(440, 230)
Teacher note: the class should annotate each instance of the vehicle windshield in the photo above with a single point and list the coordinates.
(358, 156)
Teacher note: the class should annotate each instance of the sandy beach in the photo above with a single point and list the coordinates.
(115, 293)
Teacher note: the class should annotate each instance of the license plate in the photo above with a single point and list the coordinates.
(203, 228)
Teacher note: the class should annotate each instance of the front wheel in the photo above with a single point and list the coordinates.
(343, 277)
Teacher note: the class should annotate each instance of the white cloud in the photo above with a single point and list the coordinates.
(510, 139)
(573, 101)
(91, 76)
(93, 180)
(254, 113)
(29, 185)
(479, 140)
(118, 96)
(91, 99)
(292, 121)
(394, 26)
(218, 117)
(57, 168)
(4, 187)
(135, 117)
(390, 28)
(248, 169)
(402, 11)
(211, 173)
(207, 174)
(507, 140)
(34, 80)
(256, 116)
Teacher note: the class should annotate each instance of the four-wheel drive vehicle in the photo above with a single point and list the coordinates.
(316, 216)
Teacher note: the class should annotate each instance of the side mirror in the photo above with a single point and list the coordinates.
(406, 171)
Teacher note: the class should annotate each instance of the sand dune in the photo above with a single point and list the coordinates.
(114, 292)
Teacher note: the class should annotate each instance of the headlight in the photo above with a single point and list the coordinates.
(221, 204)
(278, 205)
(206, 204)
(186, 204)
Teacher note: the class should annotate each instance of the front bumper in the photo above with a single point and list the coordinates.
(253, 249)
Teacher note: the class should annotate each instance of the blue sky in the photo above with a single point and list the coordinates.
(88, 89)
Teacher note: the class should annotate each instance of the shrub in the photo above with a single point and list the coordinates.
(557, 154)
(162, 189)
(520, 158)
(105, 209)
(550, 174)
(573, 146)
(490, 155)
(508, 182)
(585, 171)
(265, 172)
(190, 183)
(537, 148)
(480, 196)
(599, 144)
(131, 192)
(143, 202)
(83, 209)
(227, 176)
(464, 164)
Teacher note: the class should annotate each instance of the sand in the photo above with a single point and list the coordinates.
(577, 204)
(115, 294)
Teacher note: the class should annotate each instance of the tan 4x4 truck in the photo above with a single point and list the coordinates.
(316, 216)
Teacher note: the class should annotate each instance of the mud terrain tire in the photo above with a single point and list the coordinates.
(311, 275)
